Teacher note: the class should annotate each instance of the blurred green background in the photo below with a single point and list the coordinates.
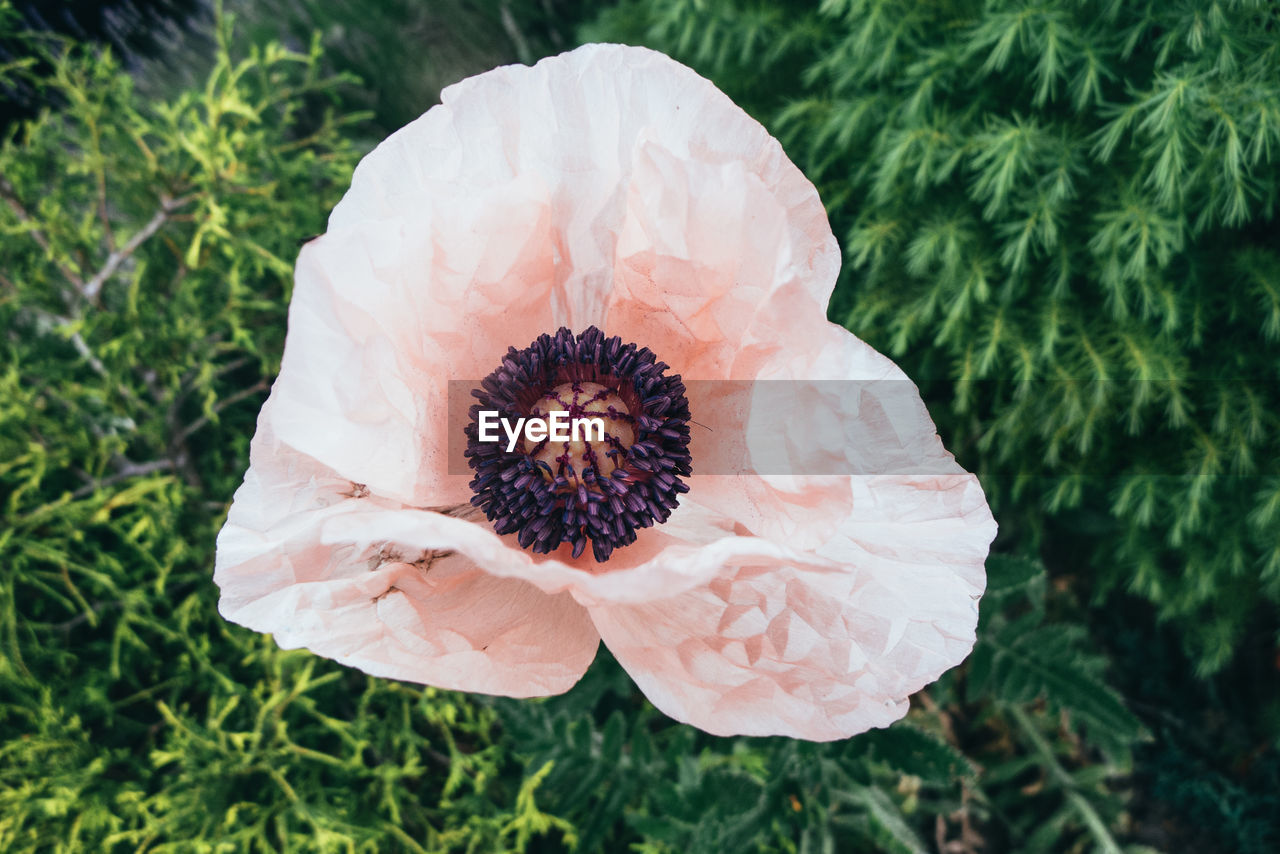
(1059, 217)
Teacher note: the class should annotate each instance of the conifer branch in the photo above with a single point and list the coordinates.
(91, 288)
(229, 400)
(10, 197)
(125, 469)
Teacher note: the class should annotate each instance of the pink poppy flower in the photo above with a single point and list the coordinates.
(609, 188)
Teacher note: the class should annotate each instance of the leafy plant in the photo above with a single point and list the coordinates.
(145, 266)
(1060, 218)
(1030, 752)
(401, 52)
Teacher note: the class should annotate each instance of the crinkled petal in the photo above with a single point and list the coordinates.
(759, 651)
(920, 543)
(782, 649)
(598, 128)
(384, 314)
(723, 254)
(608, 186)
(688, 551)
(835, 405)
(430, 617)
(815, 416)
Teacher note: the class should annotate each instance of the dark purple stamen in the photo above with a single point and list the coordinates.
(548, 495)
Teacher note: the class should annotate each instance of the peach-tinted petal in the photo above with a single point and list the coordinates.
(781, 649)
(426, 617)
(760, 651)
(690, 549)
(920, 542)
(720, 257)
(826, 409)
(608, 186)
(595, 128)
(840, 407)
(727, 418)
(384, 314)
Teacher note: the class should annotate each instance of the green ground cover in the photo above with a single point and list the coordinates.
(1060, 218)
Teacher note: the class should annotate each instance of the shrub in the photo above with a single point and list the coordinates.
(144, 273)
(145, 267)
(1061, 219)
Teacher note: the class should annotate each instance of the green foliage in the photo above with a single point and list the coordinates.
(144, 272)
(958, 768)
(145, 266)
(403, 51)
(1061, 218)
(1023, 658)
(1222, 807)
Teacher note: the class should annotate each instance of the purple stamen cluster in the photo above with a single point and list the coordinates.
(603, 495)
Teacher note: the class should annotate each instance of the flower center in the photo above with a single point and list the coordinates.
(602, 409)
(592, 445)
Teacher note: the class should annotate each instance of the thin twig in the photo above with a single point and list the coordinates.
(115, 259)
(256, 388)
(107, 231)
(513, 32)
(234, 364)
(76, 339)
(177, 447)
(84, 616)
(125, 469)
(85, 351)
(91, 288)
(11, 199)
(82, 348)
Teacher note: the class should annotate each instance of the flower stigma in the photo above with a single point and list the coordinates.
(618, 467)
